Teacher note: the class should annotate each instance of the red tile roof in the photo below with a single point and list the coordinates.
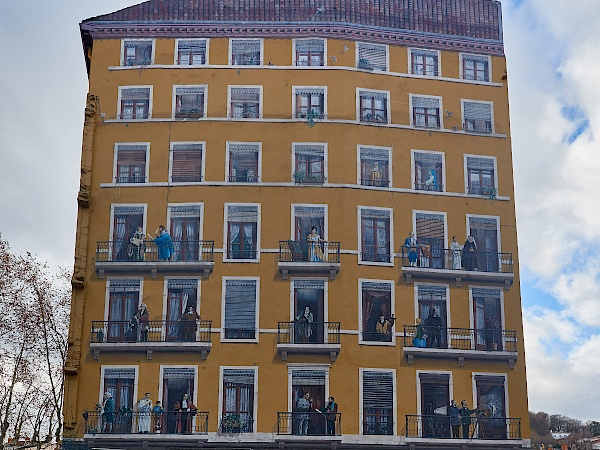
(479, 19)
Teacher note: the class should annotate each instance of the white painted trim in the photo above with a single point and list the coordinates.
(152, 40)
(483, 102)
(361, 371)
(103, 369)
(360, 310)
(466, 169)
(325, 297)
(207, 43)
(483, 216)
(439, 60)
(114, 206)
(461, 74)
(442, 112)
(150, 101)
(359, 209)
(388, 105)
(323, 206)
(294, 88)
(358, 164)
(203, 152)
(174, 97)
(230, 53)
(294, 62)
(413, 172)
(243, 86)
(302, 366)
(416, 297)
(325, 146)
(115, 161)
(161, 382)
(225, 226)
(254, 403)
(496, 375)
(257, 309)
(228, 145)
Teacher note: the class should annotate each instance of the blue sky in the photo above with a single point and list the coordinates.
(553, 72)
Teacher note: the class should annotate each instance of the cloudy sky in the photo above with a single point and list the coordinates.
(553, 51)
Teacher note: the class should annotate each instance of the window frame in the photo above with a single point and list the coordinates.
(440, 112)
(116, 166)
(229, 101)
(103, 370)
(298, 115)
(359, 117)
(413, 170)
(466, 157)
(291, 367)
(360, 208)
(446, 239)
(411, 68)
(295, 53)
(204, 94)
(172, 146)
(152, 41)
(120, 102)
(228, 161)
(324, 145)
(463, 102)
(461, 66)
(491, 375)
(446, 300)
(206, 51)
(325, 208)
(419, 398)
(361, 418)
(359, 179)
(230, 52)
(226, 233)
(161, 393)
(115, 206)
(165, 299)
(107, 292)
(361, 340)
(256, 309)
(222, 392)
(374, 69)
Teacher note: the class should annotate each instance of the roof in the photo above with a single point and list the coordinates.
(478, 19)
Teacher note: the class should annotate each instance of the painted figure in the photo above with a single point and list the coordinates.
(163, 243)
(412, 247)
(315, 254)
(469, 254)
(304, 405)
(144, 410)
(456, 250)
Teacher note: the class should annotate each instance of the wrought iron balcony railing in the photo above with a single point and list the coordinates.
(483, 339)
(303, 251)
(378, 427)
(428, 257)
(429, 187)
(309, 423)
(122, 179)
(242, 179)
(374, 118)
(312, 333)
(236, 423)
(125, 421)
(480, 428)
(122, 250)
(152, 331)
(193, 113)
(374, 183)
(484, 191)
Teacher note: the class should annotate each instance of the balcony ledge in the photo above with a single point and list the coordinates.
(149, 347)
(312, 348)
(461, 443)
(137, 438)
(505, 278)
(282, 438)
(310, 268)
(461, 355)
(155, 267)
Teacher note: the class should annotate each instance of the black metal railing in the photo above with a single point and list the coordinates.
(239, 333)
(151, 331)
(438, 426)
(373, 256)
(136, 422)
(135, 116)
(486, 339)
(309, 423)
(374, 183)
(121, 179)
(123, 250)
(483, 191)
(378, 427)
(307, 178)
(304, 251)
(137, 62)
(193, 113)
(310, 115)
(426, 256)
(298, 332)
(429, 187)
(378, 336)
(236, 423)
(243, 179)
(374, 118)
(240, 112)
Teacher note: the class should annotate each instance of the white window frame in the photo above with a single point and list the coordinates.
(416, 299)
(325, 208)
(387, 55)
(107, 292)
(225, 237)
(325, 158)
(491, 374)
(432, 372)
(150, 101)
(358, 164)
(255, 400)
(484, 216)
(115, 161)
(242, 86)
(228, 145)
(387, 106)
(230, 51)
(501, 296)
(439, 213)
(325, 296)
(174, 97)
(175, 205)
(202, 169)
(361, 341)
(123, 56)
(361, 371)
(103, 370)
(294, 62)
(410, 65)
(466, 156)
(478, 56)
(166, 297)
(113, 206)
(359, 210)
(413, 172)
(291, 367)
(411, 111)
(482, 102)
(206, 43)
(257, 309)
(294, 105)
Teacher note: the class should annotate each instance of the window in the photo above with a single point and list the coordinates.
(477, 117)
(123, 301)
(430, 230)
(186, 162)
(432, 309)
(240, 318)
(134, 103)
(376, 302)
(131, 165)
(181, 294)
(246, 52)
(306, 217)
(177, 381)
(378, 388)
(372, 57)
(121, 383)
(238, 400)
(243, 162)
(475, 67)
(375, 243)
(373, 106)
(137, 52)
(192, 52)
(242, 232)
(309, 163)
(310, 52)
(426, 111)
(314, 382)
(491, 401)
(245, 102)
(481, 176)
(424, 62)
(309, 311)
(309, 103)
(185, 221)
(429, 171)
(487, 318)
(374, 166)
(126, 219)
(484, 230)
(189, 102)
(435, 393)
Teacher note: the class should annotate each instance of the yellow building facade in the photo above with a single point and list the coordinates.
(289, 151)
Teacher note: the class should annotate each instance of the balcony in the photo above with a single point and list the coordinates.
(157, 335)
(429, 187)
(309, 258)
(480, 428)
(374, 183)
(427, 262)
(378, 427)
(121, 256)
(488, 192)
(307, 178)
(124, 421)
(373, 118)
(308, 338)
(486, 343)
(306, 426)
(236, 423)
(189, 113)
